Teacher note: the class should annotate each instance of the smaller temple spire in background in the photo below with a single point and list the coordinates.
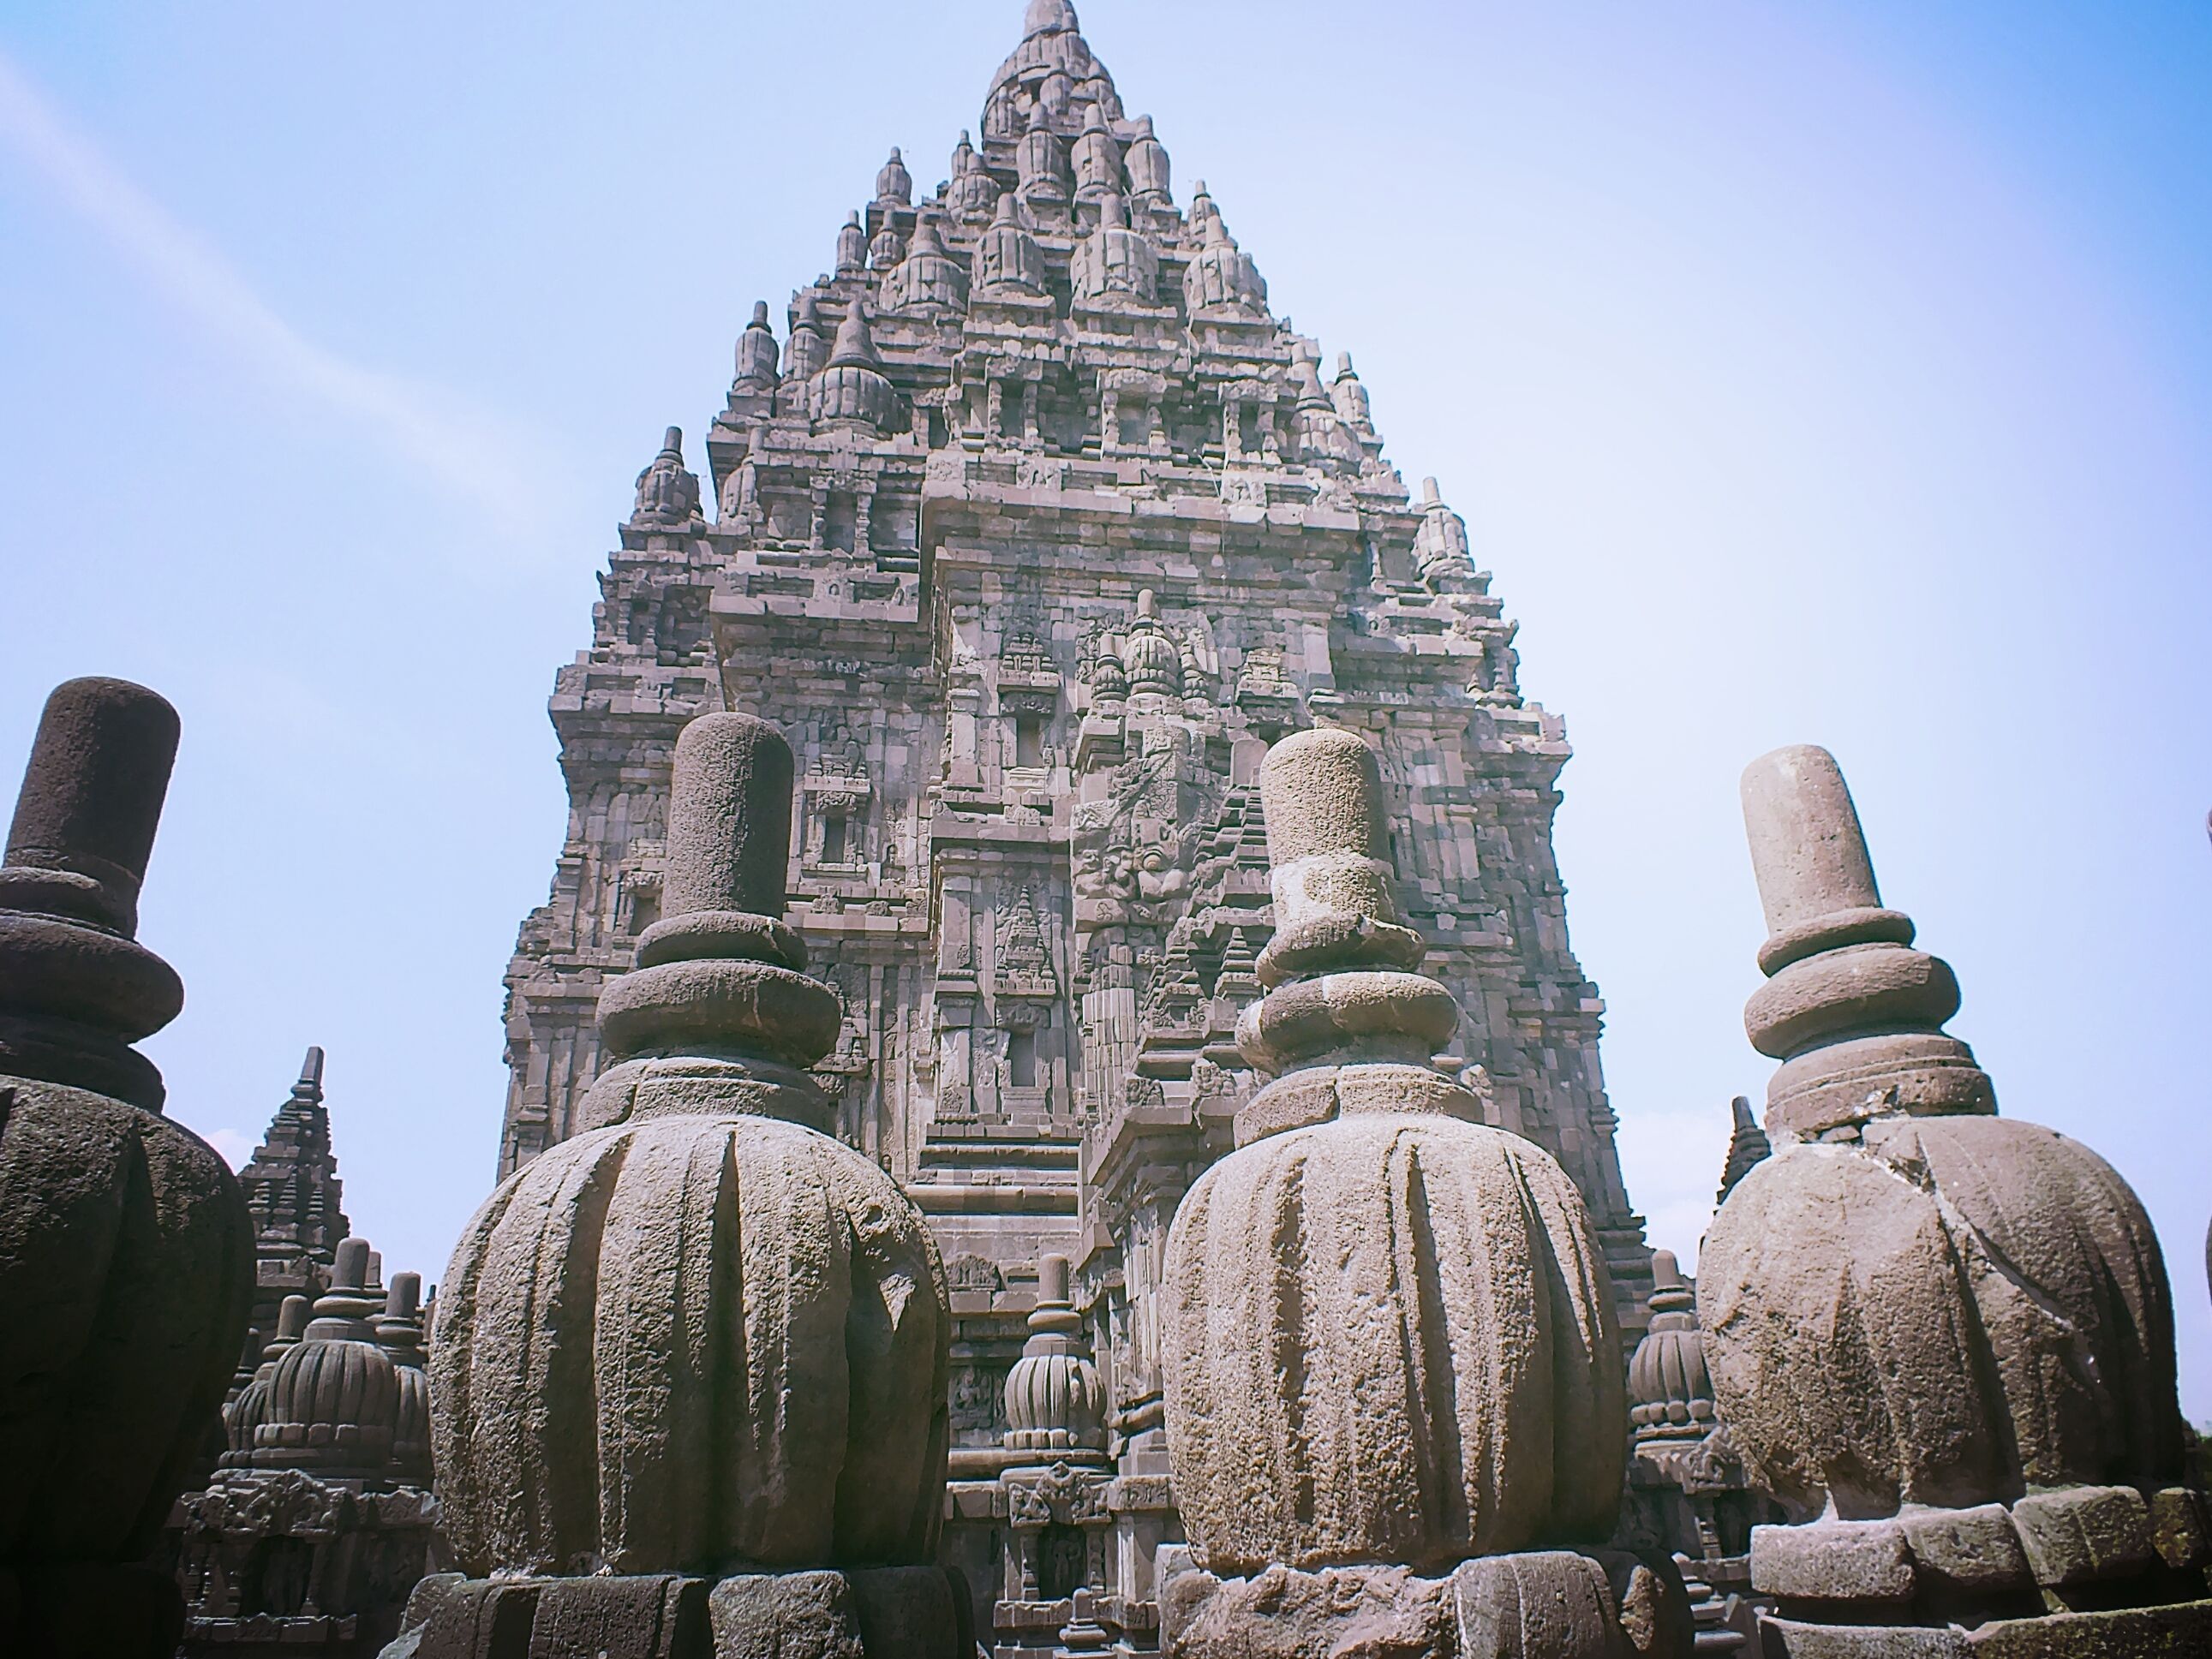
(1748, 1146)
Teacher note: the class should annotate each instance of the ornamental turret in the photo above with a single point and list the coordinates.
(756, 353)
(667, 493)
(1115, 263)
(971, 194)
(810, 347)
(1040, 168)
(887, 248)
(399, 1334)
(1323, 439)
(852, 248)
(1150, 656)
(1349, 395)
(1007, 257)
(1440, 545)
(333, 1404)
(1054, 1402)
(894, 183)
(246, 1413)
(1097, 160)
(1222, 279)
(1147, 164)
(853, 390)
(1670, 1393)
(929, 276)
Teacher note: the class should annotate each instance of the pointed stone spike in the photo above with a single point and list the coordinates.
(309, 1088)
(93, 789)
(1807, 851)
(729, 818)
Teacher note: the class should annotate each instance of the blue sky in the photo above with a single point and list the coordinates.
(1820, 372)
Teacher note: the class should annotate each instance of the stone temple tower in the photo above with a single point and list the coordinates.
(1031, 529)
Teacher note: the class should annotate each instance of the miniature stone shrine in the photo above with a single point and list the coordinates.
(320, 1521)
(1394, 1381)
(1050, 525)
(688, 1370)
(1941, 1338)
(125, 1249)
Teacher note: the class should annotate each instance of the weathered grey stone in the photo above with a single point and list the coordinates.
(1280, 1614)
(654, 1617)
(1832, 1561)
(1790, 1638)
(1974, 1549)
(1545, 1605)
(705, 1336)
(2082, 1532)
(1387, 1338)
(2181, 1530)
(126, 1246)
(1030, 584)
(912, 1613)
(792, 1615)
(2181, 1631)
(729, 820)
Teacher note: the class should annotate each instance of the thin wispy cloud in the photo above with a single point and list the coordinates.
(466, 453)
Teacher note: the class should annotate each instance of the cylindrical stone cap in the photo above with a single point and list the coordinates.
(403, 1298)
(1321, 791)
(93, 790)
(1807, 849)
(292, 1317)
(349, 1271)
(1052, 1279)
(729, 818)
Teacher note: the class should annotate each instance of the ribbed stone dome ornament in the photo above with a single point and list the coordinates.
(1393, 1372)
(333, 1402)
(699, 1356)
(1946, 1334)
(126, 1247)
(1221, 280)
(930, 275)
(756, 353)
(1670, 1392)
(1007, 257)
(1115, 263)
(852, 389)
(894, 183)
(1054, 1402)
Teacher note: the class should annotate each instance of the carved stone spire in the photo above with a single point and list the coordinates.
(293, 1189)
(1040, 165)
(1441, 548)
(399, 1334)
(808, 350)
(852, 246)
(1349, 395)
(852, 388)
(1007, 257)
(1150, 177)
(1670, 1390)
(1097, 160)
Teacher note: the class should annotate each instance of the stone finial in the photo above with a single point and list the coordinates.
(1049, 17)
(721, 968)
(1054, 1400)
(1441, 548)
(1351, 1299)
(399, 1334)
(757, 352)
(808, 350)
(1856, 1015)
(894, 183)
(90, 803)
(1349, 395)
(667, 493)
(852, 246)
(309, 1089)
(76, 989)
(1670, 1392)
(1748, 1146)
(246, 1413)
(1913, 1301)
(705, 1333)
(333, 1400)
(1149, 172)
(853, 389)
(1007, 257)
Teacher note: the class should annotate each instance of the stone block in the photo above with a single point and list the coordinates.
(1546, 1604)
(1975, 1549)
(2179, 1529)
(451, 1617)
(912, 1613)
(654, 1617)
(2083, 1533)
(1788, 1638)
(1282, 1613)
(1832, 1561)
(785, 1615)
(2183, 1631)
